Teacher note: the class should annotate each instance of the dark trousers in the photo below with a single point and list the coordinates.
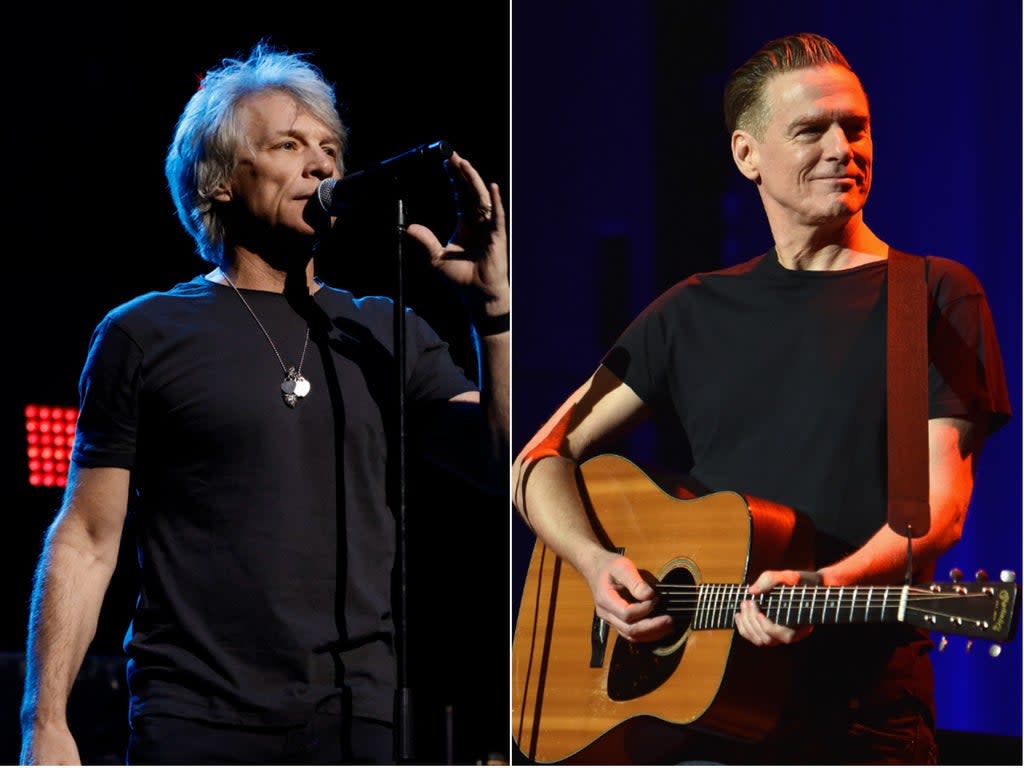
(327, 739)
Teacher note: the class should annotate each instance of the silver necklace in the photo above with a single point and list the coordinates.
(295, 385)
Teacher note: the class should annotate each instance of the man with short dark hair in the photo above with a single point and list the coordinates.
(776, 370)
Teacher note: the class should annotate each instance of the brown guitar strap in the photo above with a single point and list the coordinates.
(907, 395)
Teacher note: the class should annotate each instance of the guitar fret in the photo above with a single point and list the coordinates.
(867, 609)
(839, 603)
(702, 611)
(713, 606)
(730, 605)
(698, 612)
(712, 617)
(824, 605)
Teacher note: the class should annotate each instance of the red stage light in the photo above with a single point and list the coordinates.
(49, 434)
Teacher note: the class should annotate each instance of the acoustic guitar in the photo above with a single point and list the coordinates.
(582, 694)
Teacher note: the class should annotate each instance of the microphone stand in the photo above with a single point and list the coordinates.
(403, 694)
(389, 171)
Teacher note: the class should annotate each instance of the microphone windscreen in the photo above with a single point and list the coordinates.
(325, 193)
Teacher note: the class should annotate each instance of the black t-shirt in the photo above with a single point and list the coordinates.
(266, 537)
(778, 379)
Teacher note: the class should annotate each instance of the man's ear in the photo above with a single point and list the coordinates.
(745, 154)
(221, 193)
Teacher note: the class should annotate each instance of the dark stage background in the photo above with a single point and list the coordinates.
(94, 226)
(624, 185)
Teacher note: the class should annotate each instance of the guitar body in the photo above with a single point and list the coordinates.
(580, 698)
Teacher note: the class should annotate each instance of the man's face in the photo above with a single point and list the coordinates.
(289, 153)
(813, 164)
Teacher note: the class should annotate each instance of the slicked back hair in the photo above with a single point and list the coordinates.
(743, 102)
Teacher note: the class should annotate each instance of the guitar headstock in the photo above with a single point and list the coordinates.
(980, 609)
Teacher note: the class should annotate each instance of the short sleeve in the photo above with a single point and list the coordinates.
(966, 374)
(106, 432)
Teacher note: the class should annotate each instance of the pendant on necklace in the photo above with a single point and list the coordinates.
(294, 386)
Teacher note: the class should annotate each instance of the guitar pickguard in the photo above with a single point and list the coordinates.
(637, 669)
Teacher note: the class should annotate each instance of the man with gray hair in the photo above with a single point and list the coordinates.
(246, 421)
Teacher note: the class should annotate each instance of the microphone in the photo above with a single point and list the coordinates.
(332, 193)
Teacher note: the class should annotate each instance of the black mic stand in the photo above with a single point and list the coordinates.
(404, 721)
(403, 694)
(389, 172)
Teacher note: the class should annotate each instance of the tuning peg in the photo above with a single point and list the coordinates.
(967, 648)
(943, 642)
(994, 650)
(955, 574)
(1007, 577)
(981, 575)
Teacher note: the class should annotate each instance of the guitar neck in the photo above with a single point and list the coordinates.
(714, 606)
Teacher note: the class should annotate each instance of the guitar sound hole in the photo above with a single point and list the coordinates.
(677, 596)
(636, 669)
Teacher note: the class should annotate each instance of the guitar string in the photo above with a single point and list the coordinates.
(818, 592)
(819, 604)
(834, 610)
(689, 598)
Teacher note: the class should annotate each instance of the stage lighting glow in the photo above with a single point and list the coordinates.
(49, 435)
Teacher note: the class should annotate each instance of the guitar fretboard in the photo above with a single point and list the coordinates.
(714, 606)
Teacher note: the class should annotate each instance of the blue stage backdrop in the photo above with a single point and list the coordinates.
(624, 185)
